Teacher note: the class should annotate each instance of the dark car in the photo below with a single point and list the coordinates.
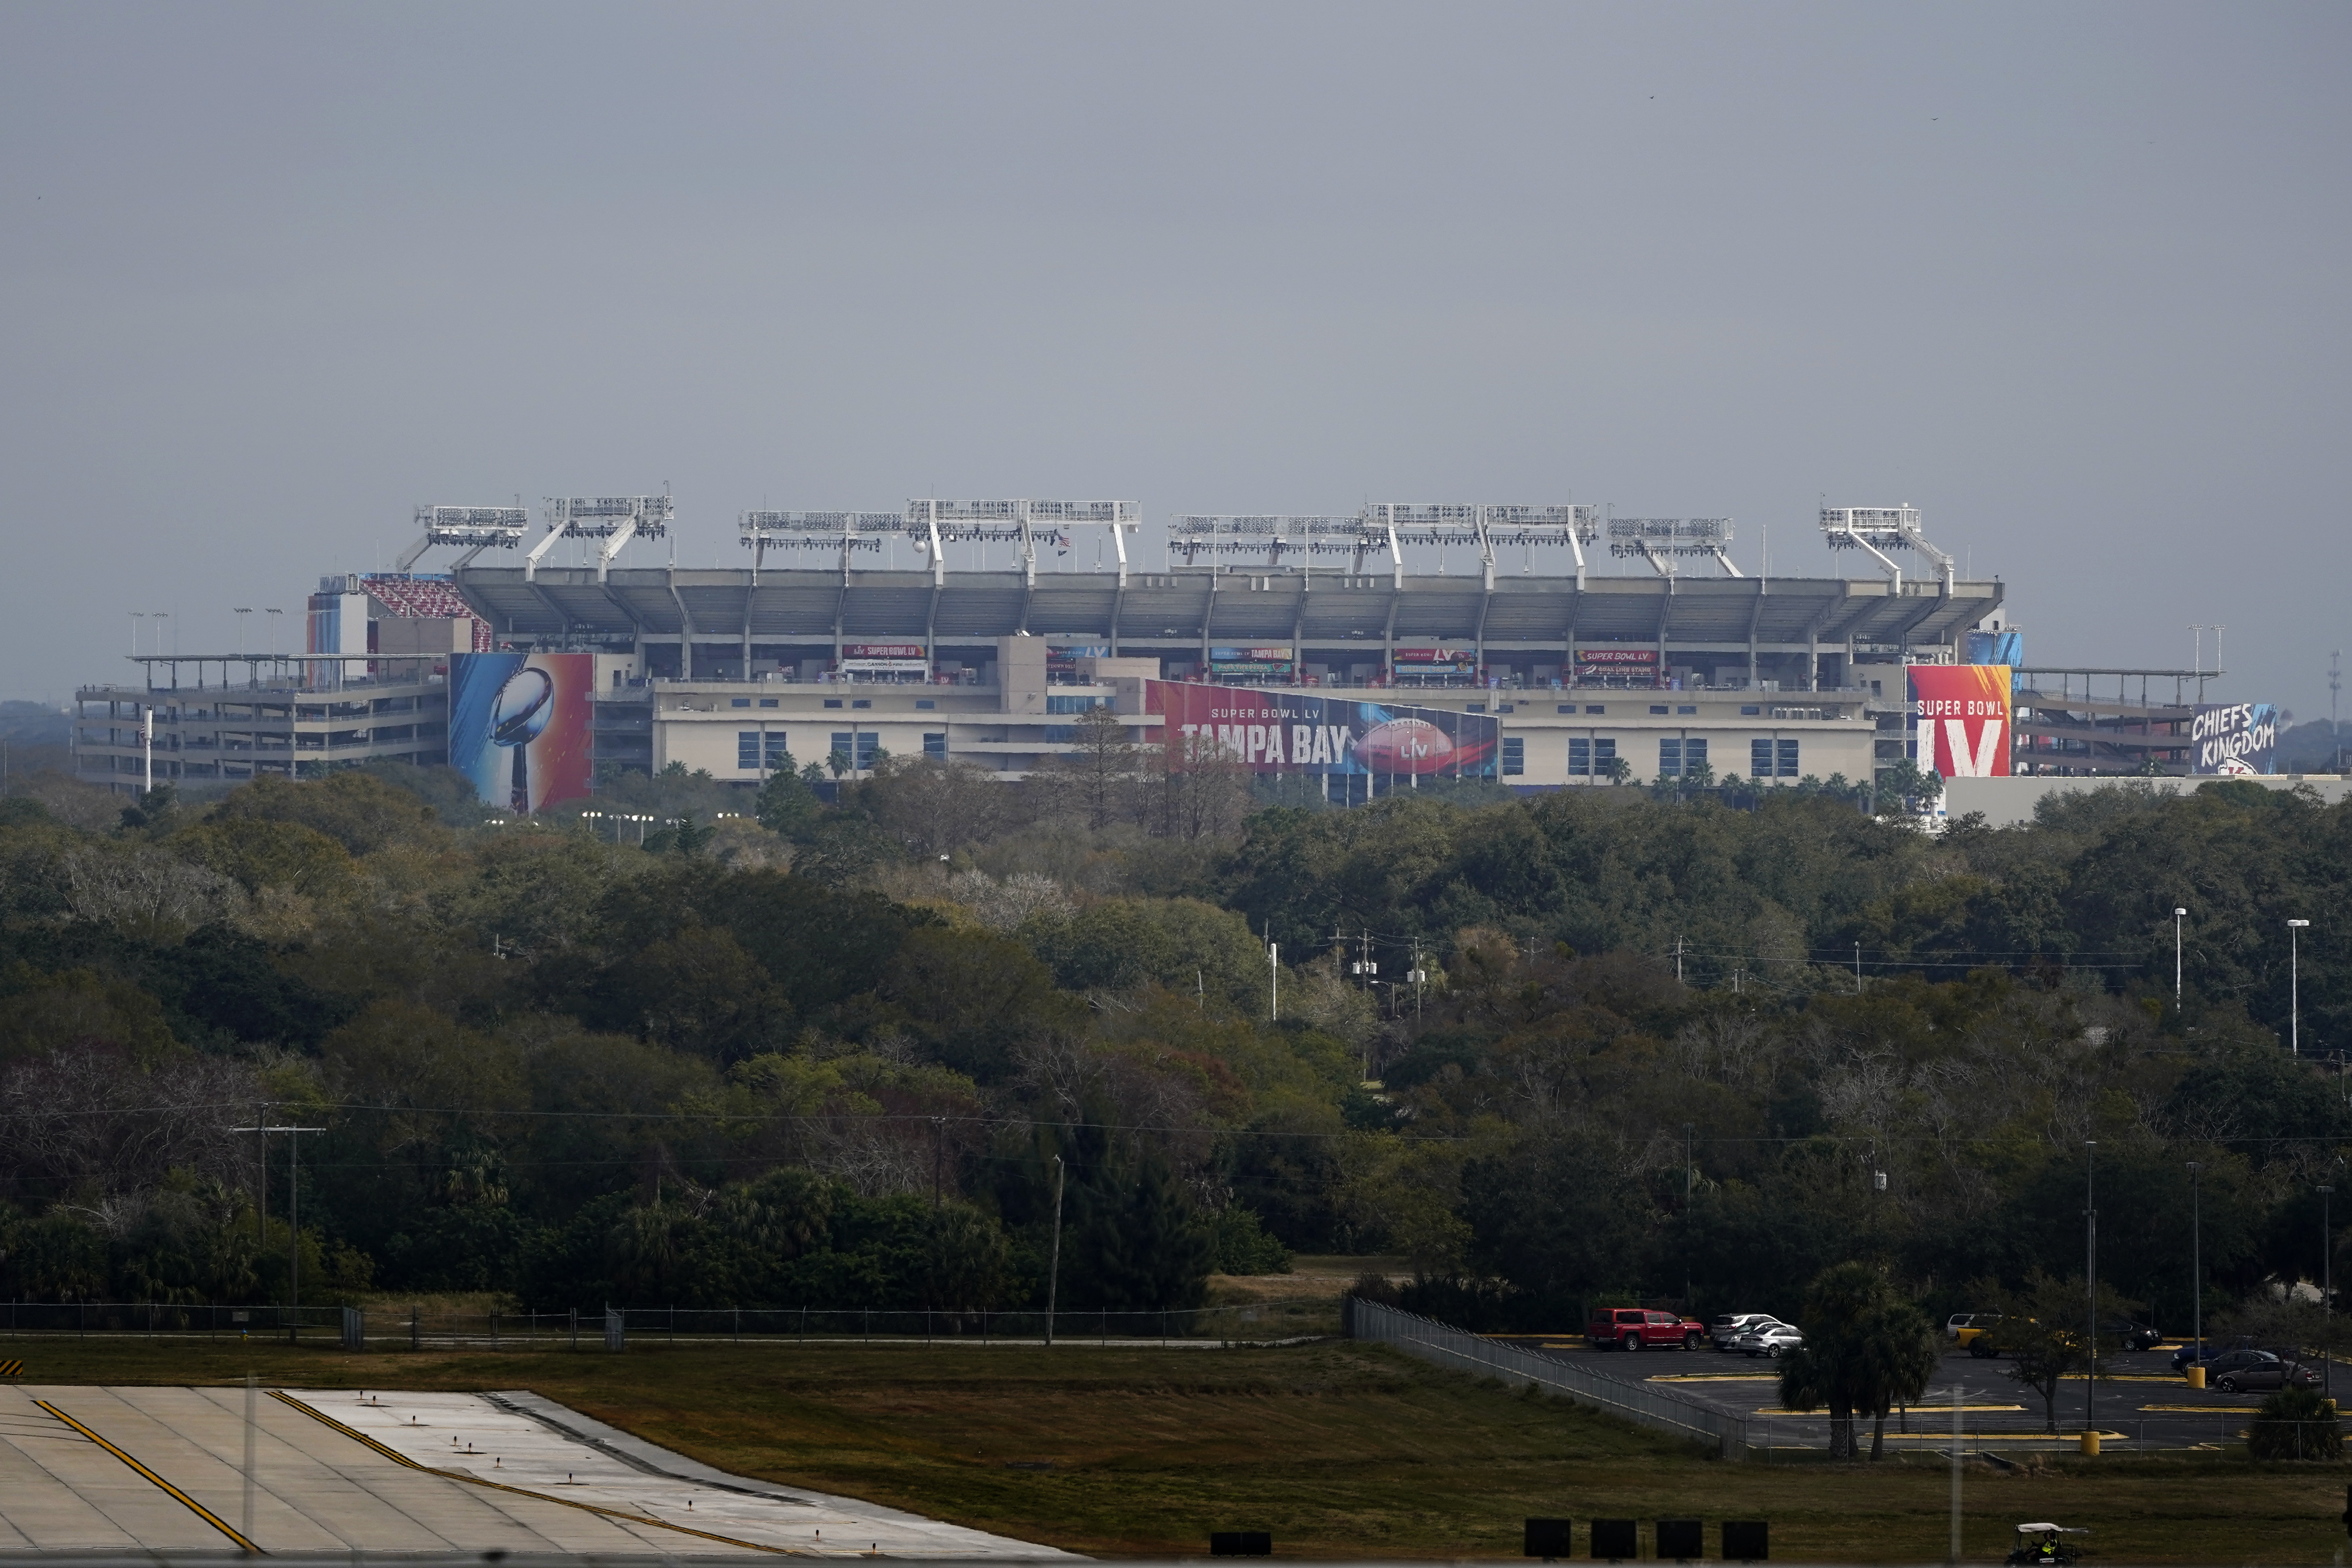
(2186, 1356)
(2247, 1371)
(2130, 1335)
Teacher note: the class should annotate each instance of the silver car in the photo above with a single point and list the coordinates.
(1769, 1340)
(1725, 1331)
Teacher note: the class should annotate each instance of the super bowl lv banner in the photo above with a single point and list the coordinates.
(519, 726)
(1962, 714)
(1278, 731)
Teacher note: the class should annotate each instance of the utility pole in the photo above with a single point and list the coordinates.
(1678, 961)
(1857, 969)
(1274, 981)
(2177, 915)
(1053, 1271)
(938, 1122)
(2295, 930)
(293, 1211)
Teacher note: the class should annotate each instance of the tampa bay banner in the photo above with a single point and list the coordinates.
(1962, 714)
(1279, 731)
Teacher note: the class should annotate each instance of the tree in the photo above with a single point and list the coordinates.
(2041, 1330)
(1866, 1349)
(1094, 776)
(786, 805)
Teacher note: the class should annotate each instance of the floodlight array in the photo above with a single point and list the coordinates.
(599, 517)
(1654, 536)
(1379, 526)
(1888, 527)
(821, 530)
(479, 526)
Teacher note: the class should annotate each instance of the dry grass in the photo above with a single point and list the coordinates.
(1339, 1450)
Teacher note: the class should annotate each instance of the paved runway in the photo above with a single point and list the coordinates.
(88, 1469)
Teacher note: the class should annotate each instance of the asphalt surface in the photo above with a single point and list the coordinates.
(2142, 1406)
(164, 1471)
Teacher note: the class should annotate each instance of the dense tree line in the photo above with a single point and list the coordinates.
(1699, 1044)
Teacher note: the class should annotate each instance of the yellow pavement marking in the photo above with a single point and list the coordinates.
(2201, 1409)
(1715, 1377)
(200, 1510)
(1919, 1410)
(393, 1454)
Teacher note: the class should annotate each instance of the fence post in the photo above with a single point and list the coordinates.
(573, 1313)
(415, 1335)
(616, 1329)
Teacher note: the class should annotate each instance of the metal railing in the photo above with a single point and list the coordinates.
(1442, 1345)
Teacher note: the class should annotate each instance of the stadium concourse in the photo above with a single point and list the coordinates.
(176, 1472)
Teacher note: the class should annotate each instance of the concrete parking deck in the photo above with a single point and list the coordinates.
(89, 1469)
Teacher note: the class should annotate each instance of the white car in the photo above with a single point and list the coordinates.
(1771, 1340)
(1727, 1330)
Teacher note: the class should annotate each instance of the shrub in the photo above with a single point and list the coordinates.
(2296, 1424)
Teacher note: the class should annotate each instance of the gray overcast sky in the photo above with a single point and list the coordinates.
(2072, 278)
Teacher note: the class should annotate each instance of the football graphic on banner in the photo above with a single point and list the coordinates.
(1962, 713)
(1405, 746)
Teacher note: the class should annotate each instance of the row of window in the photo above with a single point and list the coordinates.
(1597, 758)
(747, 747)
(924, 704)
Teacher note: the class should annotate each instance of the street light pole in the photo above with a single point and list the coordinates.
(2091, 1279)
(2295, 984)
(2326, 1287)
(2197, 1257)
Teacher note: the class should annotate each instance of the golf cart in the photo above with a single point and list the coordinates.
(2043, 1542)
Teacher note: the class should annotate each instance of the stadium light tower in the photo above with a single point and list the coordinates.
(615, 519)
(473, 528)
(1879, 529)
(1651, 538)
(931, 525)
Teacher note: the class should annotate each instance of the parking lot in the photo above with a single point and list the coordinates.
(2142, 1406)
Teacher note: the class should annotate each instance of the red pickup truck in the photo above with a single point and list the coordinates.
(1633, 1329)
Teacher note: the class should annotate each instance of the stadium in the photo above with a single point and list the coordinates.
(978, 629)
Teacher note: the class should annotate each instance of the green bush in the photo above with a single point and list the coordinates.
(2296, 1424)
(1239, 1245)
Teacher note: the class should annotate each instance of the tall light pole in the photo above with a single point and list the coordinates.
(1053, 1271)
(2326, 1288)
(2091, 1279)
(2295, 984)
(2179, 914)
(2196, 1258)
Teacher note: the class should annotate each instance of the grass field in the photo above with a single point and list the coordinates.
(1339, 1449)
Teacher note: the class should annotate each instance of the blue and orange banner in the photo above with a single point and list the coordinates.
(519, 726)
(1282, 731)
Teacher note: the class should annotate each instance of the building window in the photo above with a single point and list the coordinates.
(747, 750)
(1591, 759)
(935, 745)
(1657, 707)
(1751, 711)
(1506, 707)
(1515, 755)
(1687, 708)
(861, 702)
(1670, 759)
(1596, 708)
(1568, 707)
(832, 702)
(868, 743)
(1759, 759)
(1788, 769)
(1477, 708)
(739, 702)
(1075, 704)
(1694, 755)
(767, 702)
(925, 704)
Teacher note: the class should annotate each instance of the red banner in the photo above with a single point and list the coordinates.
(1962, 714)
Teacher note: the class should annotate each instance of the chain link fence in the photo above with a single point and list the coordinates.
(382, 1327)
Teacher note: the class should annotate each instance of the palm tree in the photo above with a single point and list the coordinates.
(1866, 1349)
